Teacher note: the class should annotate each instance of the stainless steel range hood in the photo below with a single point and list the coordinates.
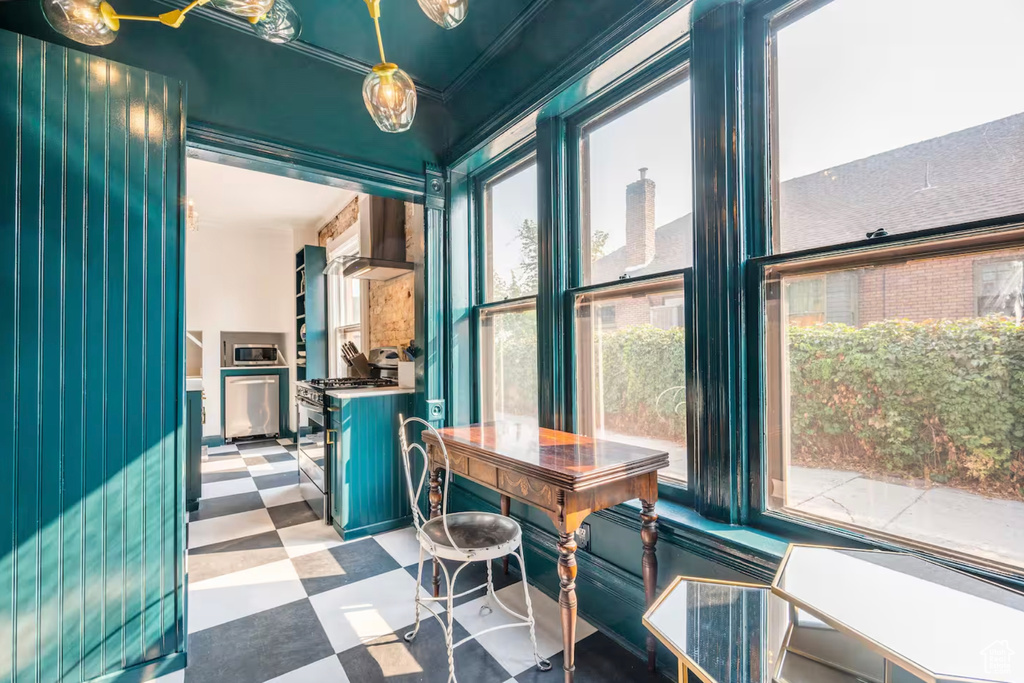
(382, 253)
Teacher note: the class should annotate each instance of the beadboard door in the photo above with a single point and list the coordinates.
(91, 365)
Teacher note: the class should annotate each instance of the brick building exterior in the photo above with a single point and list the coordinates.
(966, 175)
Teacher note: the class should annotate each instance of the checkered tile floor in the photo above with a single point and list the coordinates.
(275, 595)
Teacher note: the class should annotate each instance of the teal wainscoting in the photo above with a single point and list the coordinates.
(368, 493)
(285, 403)
(92, 374)
(608, 583)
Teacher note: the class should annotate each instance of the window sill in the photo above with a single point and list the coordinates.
(742, 548)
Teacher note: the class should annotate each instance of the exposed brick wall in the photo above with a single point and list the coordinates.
(392, 314)
(345, 219)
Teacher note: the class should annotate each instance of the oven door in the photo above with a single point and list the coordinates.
(313, 455)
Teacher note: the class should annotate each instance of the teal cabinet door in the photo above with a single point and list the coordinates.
(92, 373)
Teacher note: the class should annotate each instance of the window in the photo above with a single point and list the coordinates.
(879, 127)
(629, 320)
(345, 307)
(630, 373)
(893, 375)
(508, 364)
(637, 187)
(999, 288)
(506, 331)
(510, 234)
(826, 298)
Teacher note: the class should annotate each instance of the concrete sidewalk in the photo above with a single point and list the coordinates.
(954, 519)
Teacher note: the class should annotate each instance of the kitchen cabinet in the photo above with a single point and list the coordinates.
(368, 493)
(310, 313)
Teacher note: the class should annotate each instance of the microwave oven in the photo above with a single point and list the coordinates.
(256, 354)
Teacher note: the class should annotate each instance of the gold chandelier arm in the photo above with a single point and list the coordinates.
(174, 18)
(374, 7)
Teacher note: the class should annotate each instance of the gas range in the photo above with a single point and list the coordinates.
(313, 390)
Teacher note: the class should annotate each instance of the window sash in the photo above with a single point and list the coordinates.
(484, 355)
(608, 291)
(769, 457)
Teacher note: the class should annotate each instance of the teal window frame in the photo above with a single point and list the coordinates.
(493, 171)
(639, 87)
(761, 192)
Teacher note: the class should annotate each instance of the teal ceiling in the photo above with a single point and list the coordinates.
(433, 56)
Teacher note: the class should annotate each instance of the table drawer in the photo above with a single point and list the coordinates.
(522, 487)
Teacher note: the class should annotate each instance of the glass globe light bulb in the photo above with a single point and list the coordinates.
(244, 8)
(281, 24)
(89, 22)
(445, 13)
(390, 97)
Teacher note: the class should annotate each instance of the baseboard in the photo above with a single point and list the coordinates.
(147, 671)
(213, 441)
(370, 529)
(608, 597)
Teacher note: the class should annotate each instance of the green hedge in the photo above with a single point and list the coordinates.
(936, 399)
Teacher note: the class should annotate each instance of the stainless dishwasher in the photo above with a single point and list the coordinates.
(252, 405)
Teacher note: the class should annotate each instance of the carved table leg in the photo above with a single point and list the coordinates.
(435, 511)
(567, 600)
(649, 536)
(506, 508)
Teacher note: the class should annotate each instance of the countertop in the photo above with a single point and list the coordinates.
(360, 393)
(193, 384)
(254, 368)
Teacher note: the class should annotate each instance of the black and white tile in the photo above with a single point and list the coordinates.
(276, 596)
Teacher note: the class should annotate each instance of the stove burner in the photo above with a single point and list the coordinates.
(351, 383)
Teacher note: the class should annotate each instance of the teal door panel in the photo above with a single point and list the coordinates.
(91, 387)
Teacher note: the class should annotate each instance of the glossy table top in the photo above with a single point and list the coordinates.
(935, 621)
(570, 460)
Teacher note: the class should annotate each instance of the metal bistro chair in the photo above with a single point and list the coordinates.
(462, 537)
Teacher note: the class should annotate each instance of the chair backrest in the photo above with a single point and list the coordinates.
(415, 492)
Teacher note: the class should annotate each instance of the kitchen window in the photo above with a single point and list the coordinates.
(508, 363)
(509, 238)
(891, 371)
(346, 312)
(628, 315)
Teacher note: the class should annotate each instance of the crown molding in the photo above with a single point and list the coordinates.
(510, 33)
(595, 52)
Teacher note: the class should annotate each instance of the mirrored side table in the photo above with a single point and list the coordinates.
(835, 615)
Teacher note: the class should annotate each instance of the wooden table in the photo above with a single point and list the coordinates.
(567, 476)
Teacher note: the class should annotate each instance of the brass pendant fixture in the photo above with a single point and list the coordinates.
(445, 13)
(96, 22)
(388, 92)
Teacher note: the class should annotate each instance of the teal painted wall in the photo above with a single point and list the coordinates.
(92, 377)
(240, 82)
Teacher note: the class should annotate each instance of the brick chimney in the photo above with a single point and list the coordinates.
(640, 221)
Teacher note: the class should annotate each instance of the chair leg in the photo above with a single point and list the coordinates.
(449, 635)
(419, 578)
(542, 664)
(486, 608)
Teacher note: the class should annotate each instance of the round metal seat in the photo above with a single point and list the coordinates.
(477, 535)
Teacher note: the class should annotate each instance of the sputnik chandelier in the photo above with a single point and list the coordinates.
(388, 92)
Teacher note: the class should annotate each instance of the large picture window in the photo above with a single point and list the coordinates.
(894, 381)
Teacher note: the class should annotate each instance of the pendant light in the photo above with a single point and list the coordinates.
(445, 13)
(96, 22)
(280, 25)
(388, 92)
